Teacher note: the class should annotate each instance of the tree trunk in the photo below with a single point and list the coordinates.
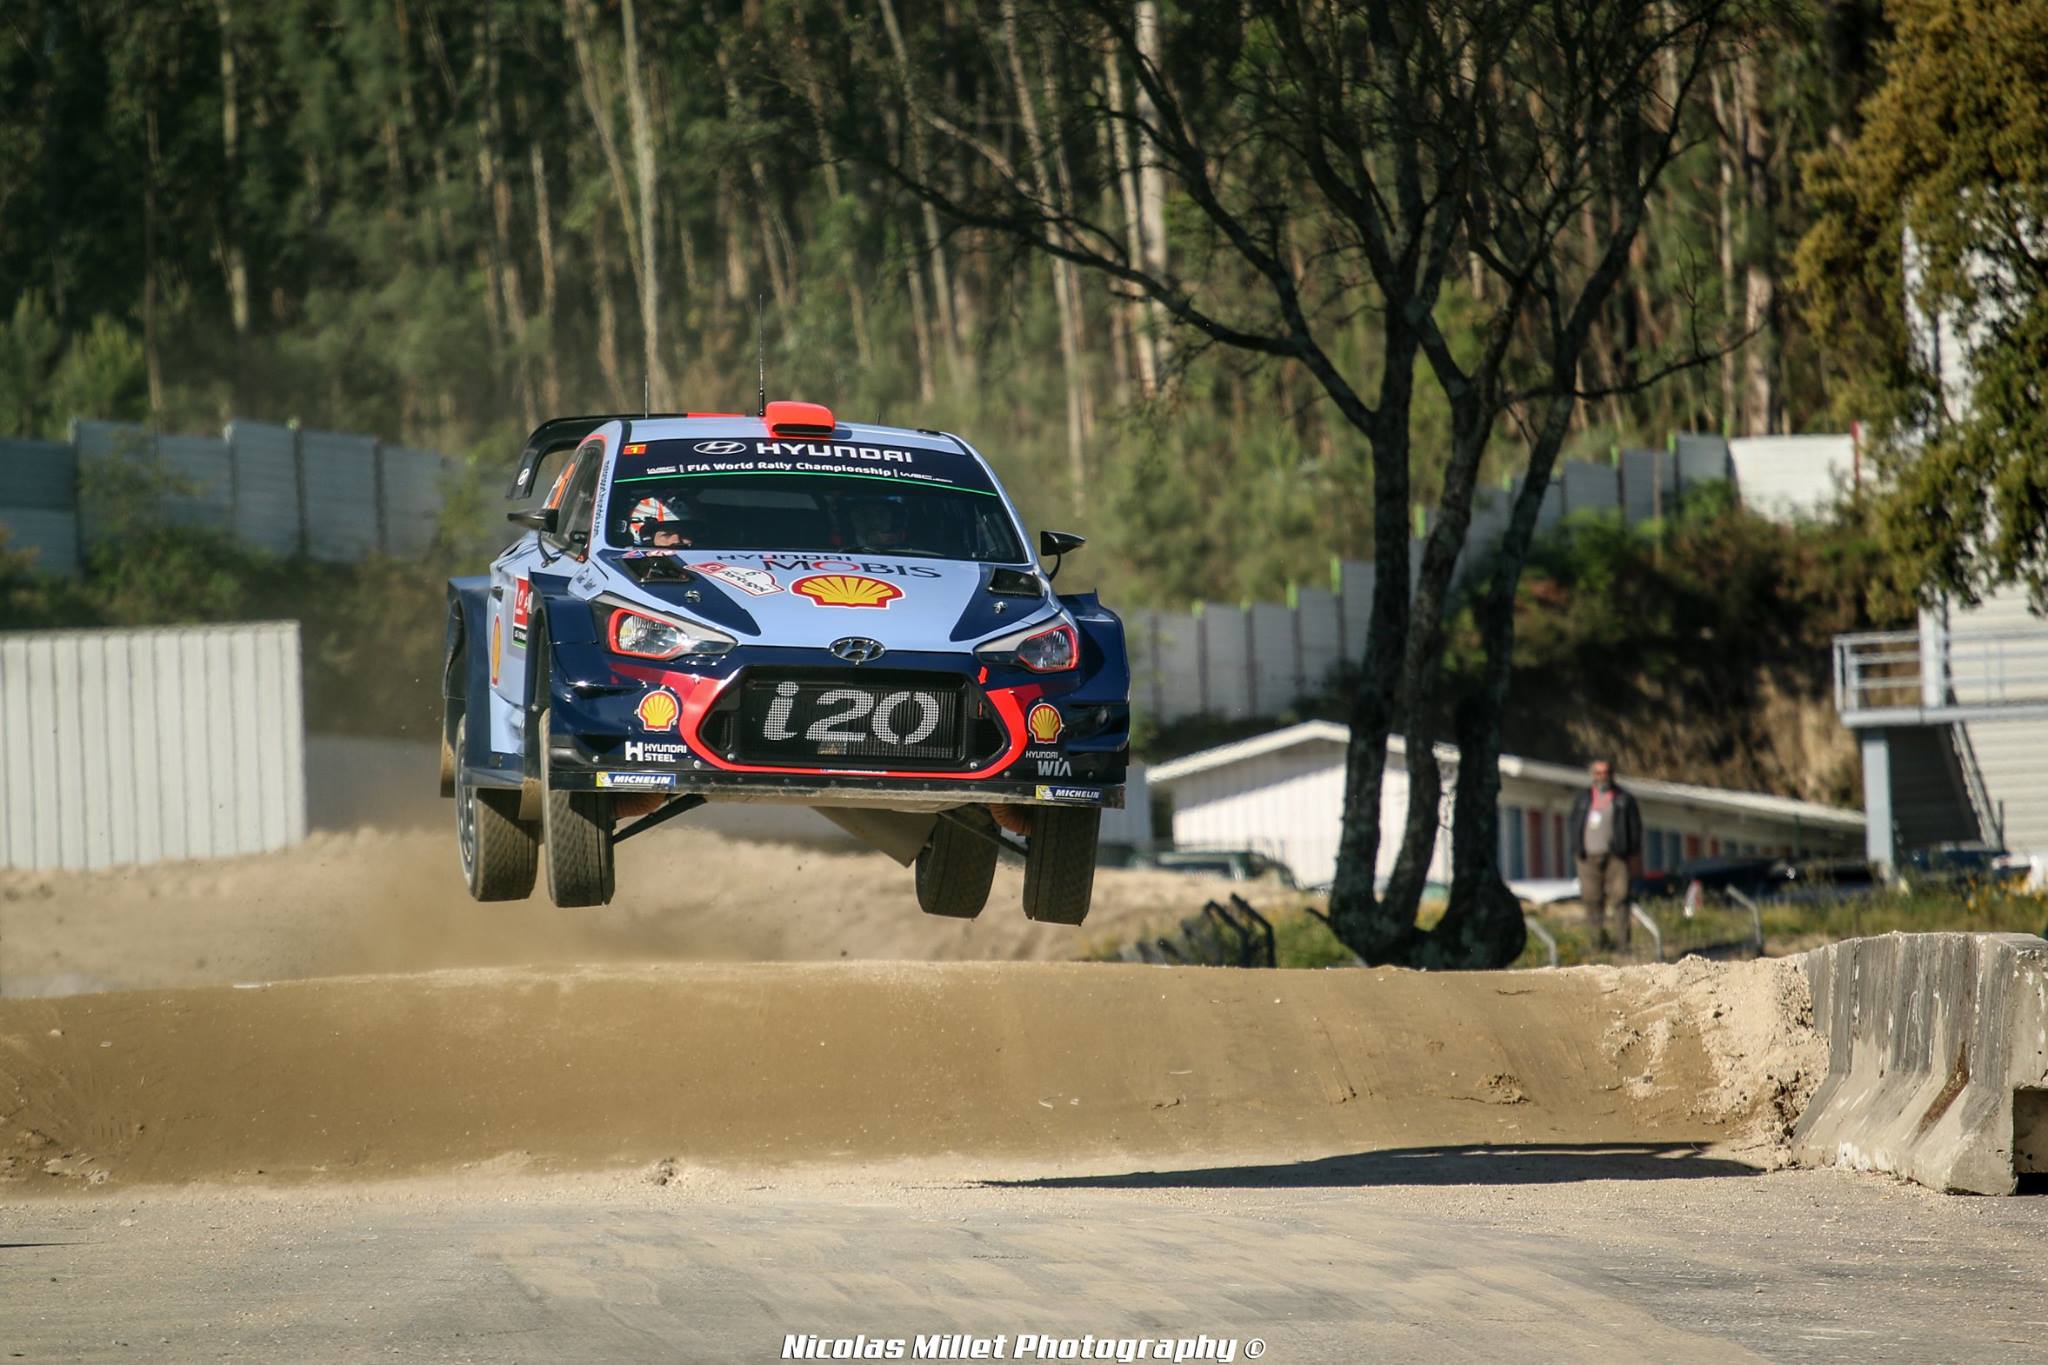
(778, 250)
(920, 330)
(608, 360)
(576, 19)
(1063, 286)
(152, 349)
(1138, 313)
(1355, 910)
(234, 258)
(1725, 149)
(1761, 415)
(544, 239)
(934, 241)
(641, 121)
(497, 193)
(1151, 175)
(1483, 926)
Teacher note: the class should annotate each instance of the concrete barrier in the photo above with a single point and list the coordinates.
(1937, 1059)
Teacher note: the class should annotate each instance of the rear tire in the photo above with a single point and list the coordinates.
(577, 828)
(955, 869)
(1059, 863)
(500, 854)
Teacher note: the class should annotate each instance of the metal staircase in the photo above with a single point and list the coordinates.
(1953, 719)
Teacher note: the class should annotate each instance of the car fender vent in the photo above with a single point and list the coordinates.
(658, 569)
(1014, 583)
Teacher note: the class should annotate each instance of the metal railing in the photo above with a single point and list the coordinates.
(1642, 917)
(1908, 675)
(1990, 814)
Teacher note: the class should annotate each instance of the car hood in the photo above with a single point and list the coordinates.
(807, 601)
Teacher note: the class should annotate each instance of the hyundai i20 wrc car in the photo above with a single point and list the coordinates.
(784, 608)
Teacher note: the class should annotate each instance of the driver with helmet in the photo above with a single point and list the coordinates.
(654, 523)
(879, 523)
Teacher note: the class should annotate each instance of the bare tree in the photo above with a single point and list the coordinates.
(1359, 158)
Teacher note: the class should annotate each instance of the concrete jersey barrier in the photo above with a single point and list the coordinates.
(1937, 1059)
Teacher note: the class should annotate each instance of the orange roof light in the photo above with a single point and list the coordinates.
(785, 418)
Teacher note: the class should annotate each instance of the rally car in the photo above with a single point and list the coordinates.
(781, 608)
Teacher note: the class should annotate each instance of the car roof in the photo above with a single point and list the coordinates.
(755, 429)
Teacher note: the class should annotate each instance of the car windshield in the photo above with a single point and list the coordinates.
(872, 494)
(835, 514)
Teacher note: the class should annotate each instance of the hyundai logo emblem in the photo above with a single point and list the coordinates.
(857, 649)
(720, 447)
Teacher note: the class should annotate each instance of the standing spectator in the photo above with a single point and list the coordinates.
(1607, 833)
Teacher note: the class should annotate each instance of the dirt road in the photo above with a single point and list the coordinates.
(585, 1137)
(1061, 1067)
(1420, 1255)
(393, 901)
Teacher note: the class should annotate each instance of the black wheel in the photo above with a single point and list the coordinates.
(500, 853)
(956, 867)
(577, 828)
(1059, 863)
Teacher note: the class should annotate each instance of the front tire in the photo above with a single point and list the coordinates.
(577, 829)
(1059, 863)
(955, 869)
(500, 853)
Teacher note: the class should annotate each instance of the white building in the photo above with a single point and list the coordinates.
(1282, 794)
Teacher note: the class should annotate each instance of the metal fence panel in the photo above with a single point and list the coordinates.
(112, 440)
(1589, 487)
(125, 746)
(52, 537)
(1552, 510)
(1322, 631)
(1275, 665)
(412, 498)
(38, 474)
(1645, 485)
(1226, 662)
(1177, 663)
(1138, 640)
(99, 444)
(1702, 459)
(266, 468)
(341, 495)
(1355, 587)
(202, 492)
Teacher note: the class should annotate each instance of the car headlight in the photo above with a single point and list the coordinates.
(642, 636)
(1042, 648)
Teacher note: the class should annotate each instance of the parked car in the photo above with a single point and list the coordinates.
(1230, 864)
(1961, 862)
(784, 608)
(1760, 879)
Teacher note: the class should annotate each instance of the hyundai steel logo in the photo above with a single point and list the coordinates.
(857, 649)
(720, 447)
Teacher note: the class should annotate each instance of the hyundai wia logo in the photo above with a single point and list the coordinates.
(857, 649)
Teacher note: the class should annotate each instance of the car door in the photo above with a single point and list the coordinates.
(511, 610)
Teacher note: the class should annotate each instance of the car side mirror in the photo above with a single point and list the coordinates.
(541, 519)
(1058, 544)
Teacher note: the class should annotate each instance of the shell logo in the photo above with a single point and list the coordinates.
(846, 590)
(658, 710)
(1044, 723)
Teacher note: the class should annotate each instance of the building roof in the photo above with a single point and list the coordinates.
(1323, 732)
(1272, 742)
